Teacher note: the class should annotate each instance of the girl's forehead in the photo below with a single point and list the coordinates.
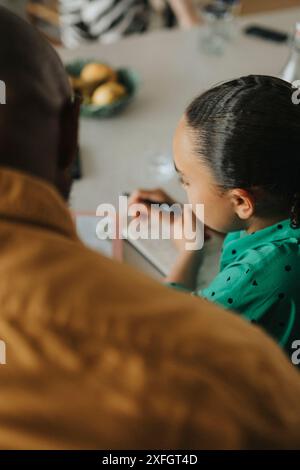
(183, 137)
(187, 159)
(184, 151)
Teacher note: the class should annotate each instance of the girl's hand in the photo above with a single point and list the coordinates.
(158, 196)
(146, 197)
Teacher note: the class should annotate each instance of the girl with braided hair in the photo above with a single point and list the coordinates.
(237, 150)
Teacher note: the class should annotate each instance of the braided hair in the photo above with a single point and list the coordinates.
(248, 132)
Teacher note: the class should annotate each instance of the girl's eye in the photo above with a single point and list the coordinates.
(183, 182)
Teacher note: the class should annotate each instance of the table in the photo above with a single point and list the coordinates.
(173, 70)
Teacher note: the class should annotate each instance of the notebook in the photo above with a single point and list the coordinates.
(162, 255)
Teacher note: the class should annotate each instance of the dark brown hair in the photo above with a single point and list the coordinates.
(248, 132)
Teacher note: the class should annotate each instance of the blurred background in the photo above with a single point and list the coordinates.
(45, 13)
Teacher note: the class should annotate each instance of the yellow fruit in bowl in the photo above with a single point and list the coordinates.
(108, 93)
(76, 83)
(97, 73)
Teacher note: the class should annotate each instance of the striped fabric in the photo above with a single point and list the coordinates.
(103, 20)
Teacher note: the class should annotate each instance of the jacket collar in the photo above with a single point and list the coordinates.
(280, 233)
(30, 200)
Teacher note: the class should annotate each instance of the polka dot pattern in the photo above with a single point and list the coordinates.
(259, 275)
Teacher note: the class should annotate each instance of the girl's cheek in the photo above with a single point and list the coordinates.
(193, 197)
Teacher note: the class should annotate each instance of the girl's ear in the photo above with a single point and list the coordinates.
(243, 203)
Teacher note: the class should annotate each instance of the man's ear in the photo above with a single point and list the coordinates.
(69, 127)
(243, 203)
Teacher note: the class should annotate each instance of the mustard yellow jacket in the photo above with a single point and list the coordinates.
(100, 356)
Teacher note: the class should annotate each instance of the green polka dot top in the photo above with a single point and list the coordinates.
(259, 278)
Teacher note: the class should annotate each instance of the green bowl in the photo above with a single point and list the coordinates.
(126, 77)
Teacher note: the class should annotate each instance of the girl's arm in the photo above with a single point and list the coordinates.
(185, 269)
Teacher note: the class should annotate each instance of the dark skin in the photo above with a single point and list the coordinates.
(39, 123)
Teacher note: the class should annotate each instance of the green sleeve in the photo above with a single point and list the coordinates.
(237, 288)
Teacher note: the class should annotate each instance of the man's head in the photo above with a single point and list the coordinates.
(39, 122)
